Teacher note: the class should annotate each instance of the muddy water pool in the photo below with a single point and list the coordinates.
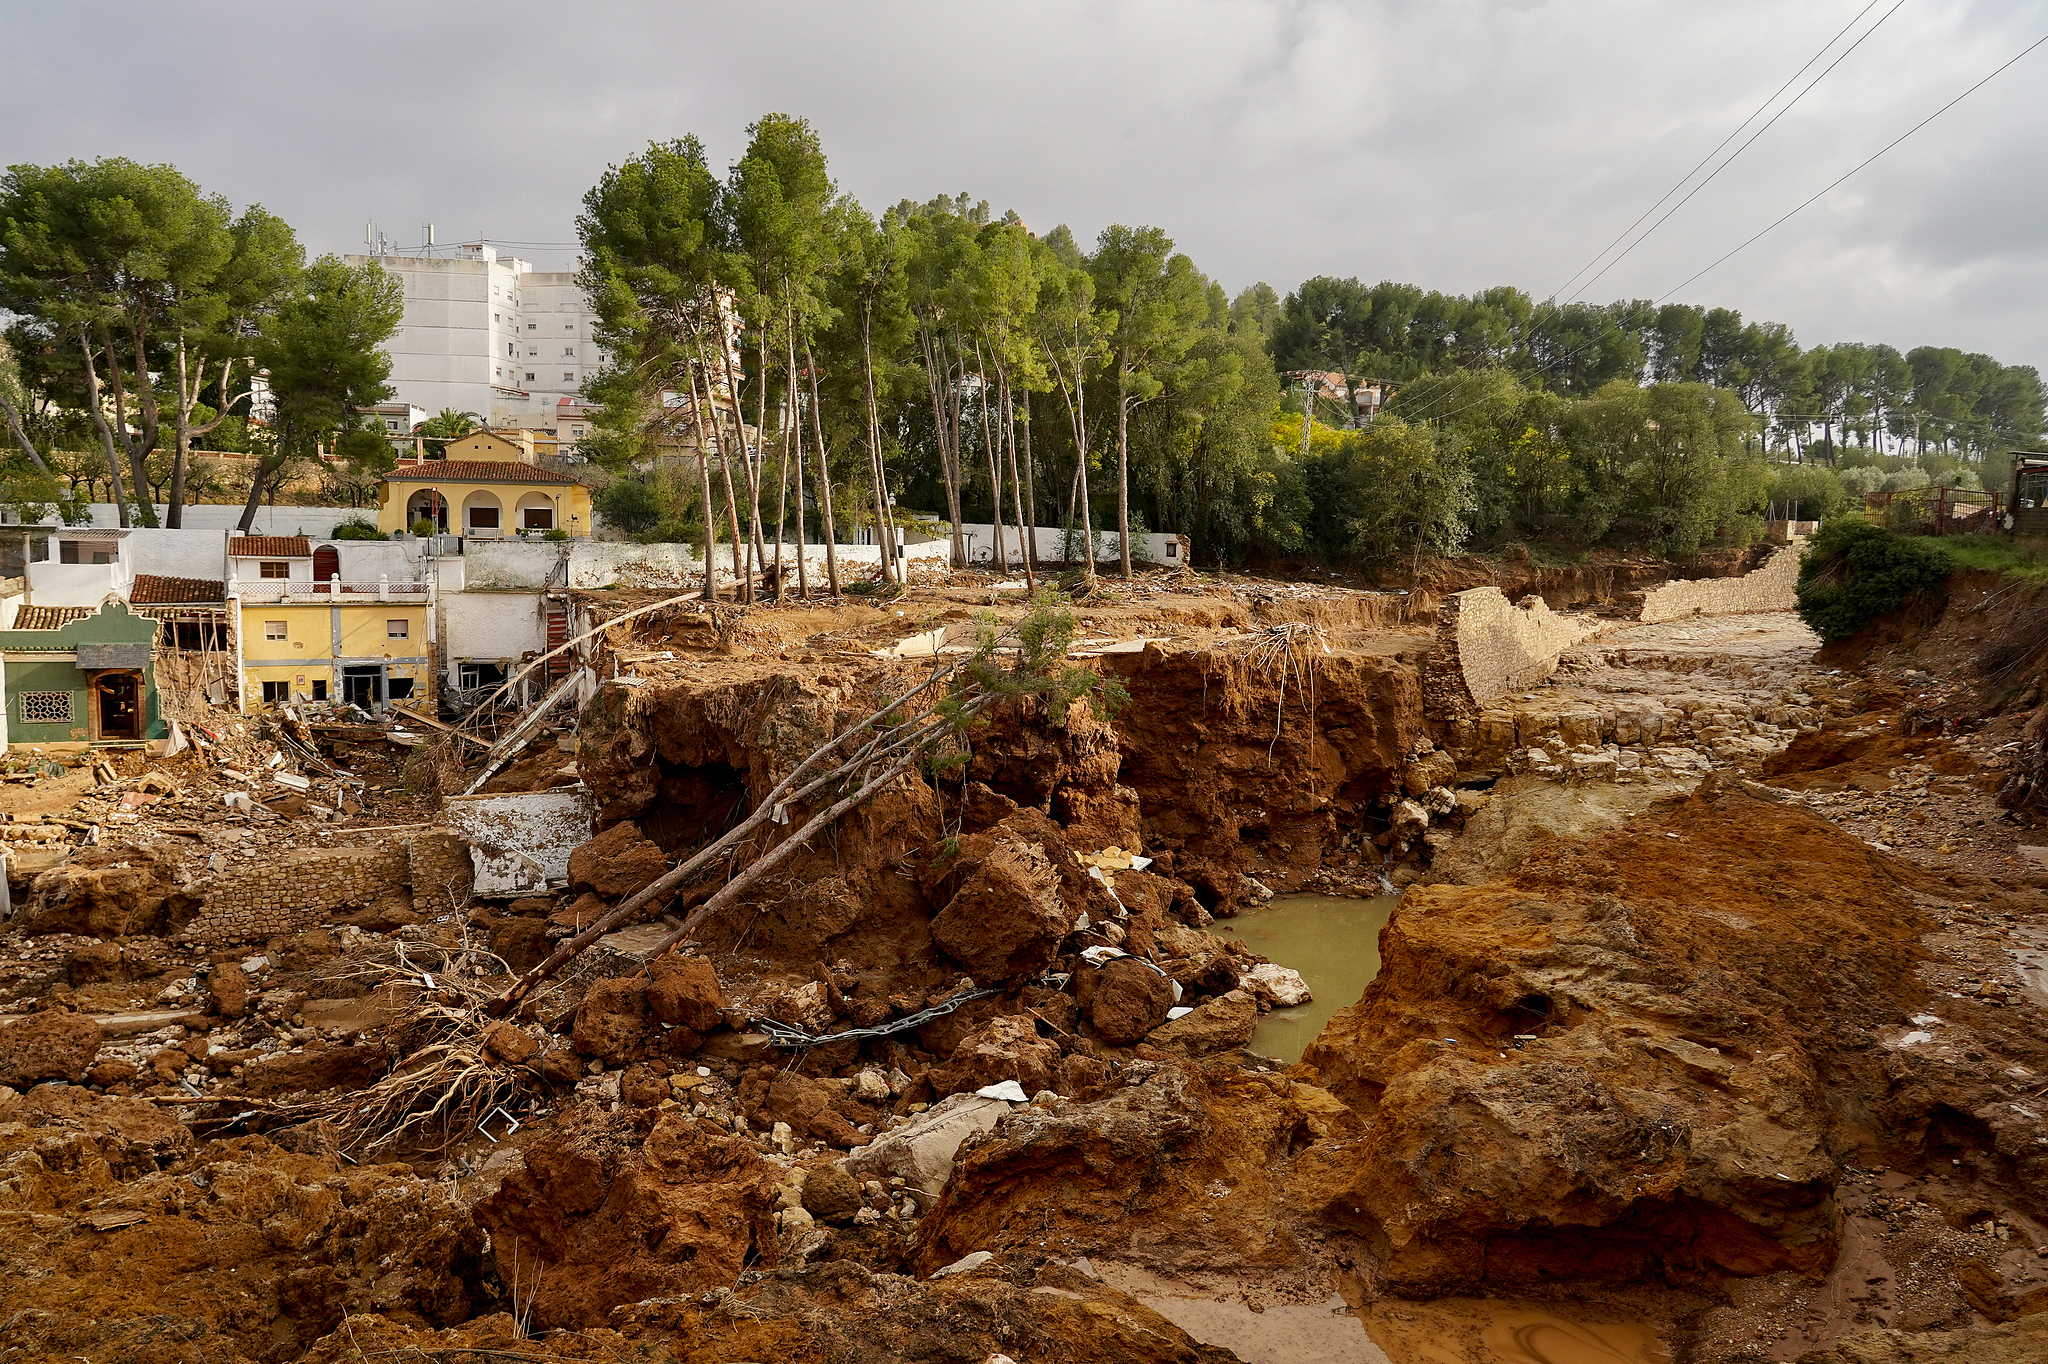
(1333, 942)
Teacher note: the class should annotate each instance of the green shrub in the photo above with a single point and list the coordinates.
(425, 526)
(556, 534)
(1853, 570)
(357, 528)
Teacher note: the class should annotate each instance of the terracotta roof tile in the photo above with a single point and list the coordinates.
(270, 547)
(152, 590)
(48, 617)
(474, 471)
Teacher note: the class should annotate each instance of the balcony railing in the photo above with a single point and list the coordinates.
(332, 589)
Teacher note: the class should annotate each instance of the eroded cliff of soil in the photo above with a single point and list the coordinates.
(1709, 1021)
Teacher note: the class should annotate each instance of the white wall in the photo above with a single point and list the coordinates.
(497, 564)
(211, 516)
(492, 625)
(179, 553)
(1049, 543)
(55, 584)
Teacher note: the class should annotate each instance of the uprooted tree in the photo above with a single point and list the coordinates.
(930, 723)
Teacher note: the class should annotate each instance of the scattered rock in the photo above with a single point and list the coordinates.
(52, 1045)
(1124, 1000)
(684, 992)
(1004, 1048)
(1279, 986)
(618, 862)
(1007, 919)
(612, 1022)
(831, 1194)
(1221, 1024)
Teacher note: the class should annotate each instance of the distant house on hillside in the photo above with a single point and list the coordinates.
(487, 487)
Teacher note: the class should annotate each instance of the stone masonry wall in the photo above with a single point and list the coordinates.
(1767, 587)
(1487, 646)
(296, 891)
(443, 875)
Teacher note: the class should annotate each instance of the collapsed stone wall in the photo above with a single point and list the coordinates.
(295, 891)
(1487, 647)
(1767, 587)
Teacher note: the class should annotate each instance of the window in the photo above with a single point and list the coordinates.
(483, 518)
(76, 552)
(1173, 549)
(567, 374)
(273, 568)
(276, 693)
(533, 326)
(568, 326)
(529, 376)
(538, 518)
(398, 688)
(275, 629)
(576, 431)
(509, 350)
(470, 676)
(320, 690)
(397, 629)
(46, 707)
(496, 318)
(568, 352)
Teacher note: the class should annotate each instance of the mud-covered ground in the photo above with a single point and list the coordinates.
(1710, 1025)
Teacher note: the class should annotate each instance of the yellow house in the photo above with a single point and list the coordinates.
(300, 647)
(489, 488)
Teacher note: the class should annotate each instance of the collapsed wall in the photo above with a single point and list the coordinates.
(1767, 587)
(1486, 647)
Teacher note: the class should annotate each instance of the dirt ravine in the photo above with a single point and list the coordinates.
(1712, 1021)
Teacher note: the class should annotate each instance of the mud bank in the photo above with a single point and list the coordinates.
(1703, 1026)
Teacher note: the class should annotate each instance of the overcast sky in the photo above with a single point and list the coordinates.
(1453, 144)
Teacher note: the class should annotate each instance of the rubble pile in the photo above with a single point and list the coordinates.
(1712, 1000)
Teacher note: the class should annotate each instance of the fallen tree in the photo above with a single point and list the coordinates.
(1029, 659)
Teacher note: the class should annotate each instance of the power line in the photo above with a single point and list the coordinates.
(1865, 162)
(1428, 415)
(1716, 151)
(1739, 150)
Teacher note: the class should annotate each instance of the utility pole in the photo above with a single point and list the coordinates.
(1308, 408)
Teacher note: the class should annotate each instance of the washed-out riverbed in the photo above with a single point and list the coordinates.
(1332, 941)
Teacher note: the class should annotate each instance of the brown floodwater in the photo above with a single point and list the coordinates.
(1332, 941)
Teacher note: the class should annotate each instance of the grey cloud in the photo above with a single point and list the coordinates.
(1458, 145)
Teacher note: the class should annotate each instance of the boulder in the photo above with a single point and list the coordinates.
(1279, 986)
(684, 993)
(619, 1220)
(52, 1045)
(1124, 1000)
(921, 1152)
(1222, 1024)
(109, 892)
(831, 1194)
(227, 985)
(619, 861)
(1006, 920)
(521, 943)
(1005, 1048)
(509, 1043)
(1432, 769)
(613, 1022)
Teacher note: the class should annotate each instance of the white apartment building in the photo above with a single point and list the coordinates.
(488, 334)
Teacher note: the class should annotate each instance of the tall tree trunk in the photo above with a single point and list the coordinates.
(140, 443)
(20, 435)
(937, 379)
(885, 536)
(782, 474)
(999, 552)
(751, 475)
(1030, 490)
(796, 421)
(741, 587)
(1009, 442)
(99, 421)
(824, 476)
(1123, 473)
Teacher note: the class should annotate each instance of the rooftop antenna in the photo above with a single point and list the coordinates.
(374, 238)
(428, 244)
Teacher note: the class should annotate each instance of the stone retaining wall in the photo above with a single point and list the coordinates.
(299, 890)
(1767, 587)
(1487, 646)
